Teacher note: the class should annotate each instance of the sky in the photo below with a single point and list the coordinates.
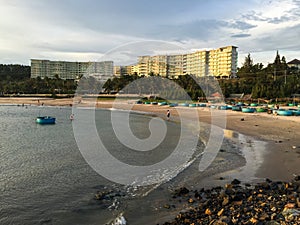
(98, 30)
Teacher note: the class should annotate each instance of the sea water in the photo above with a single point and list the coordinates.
(44, 179)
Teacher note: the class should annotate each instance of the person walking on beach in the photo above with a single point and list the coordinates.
(168, 114)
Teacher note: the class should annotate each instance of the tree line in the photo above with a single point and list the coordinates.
(276, 80)
(15, 79)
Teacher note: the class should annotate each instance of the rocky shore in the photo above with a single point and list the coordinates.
(266, 203)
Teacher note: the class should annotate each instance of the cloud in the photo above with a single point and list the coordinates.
(241, 25)
(91, 28)
(240, 35)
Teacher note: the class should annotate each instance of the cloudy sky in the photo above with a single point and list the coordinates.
(96, 30)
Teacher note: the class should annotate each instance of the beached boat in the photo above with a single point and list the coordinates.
(192, 105)
(173, 104)
(223, 107)
(248, 110)
(202, 105)
(45, 120)
(184, 104)
(254, 104)
(236, 108)
(162, 103)
(284, 112)
(261, 110)
(295, 112)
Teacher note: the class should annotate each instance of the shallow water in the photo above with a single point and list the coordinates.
(44, 178)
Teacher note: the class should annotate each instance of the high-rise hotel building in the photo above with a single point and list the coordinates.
(221, 62)
(70, 70)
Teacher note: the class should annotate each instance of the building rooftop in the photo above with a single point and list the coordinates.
(295, 62)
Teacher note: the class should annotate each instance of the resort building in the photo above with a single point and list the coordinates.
(125, 70)
(221, 62)
(70, 70)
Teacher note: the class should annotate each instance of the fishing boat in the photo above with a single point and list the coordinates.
(223, 107)
(248, 110)
(296, 112)
(173, 104)
(162, 103)
(45, 120)
(184, 104)
(282, 112)
(236, 108)
(261, 109)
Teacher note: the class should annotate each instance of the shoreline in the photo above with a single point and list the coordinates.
(279, 133)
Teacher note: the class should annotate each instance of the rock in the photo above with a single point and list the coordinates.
(207, 211)
(191, 200)
(289, 206)
(297, 178)
(181, 192)
(264, 217)
(253, 220)
(219, 223)
(167, 206)
(272, 222)
(267, 203)
(225, 201)
(235, 181)
(220, 212)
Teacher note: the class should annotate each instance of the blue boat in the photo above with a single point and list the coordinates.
(284, 112)
(248, 110)
(45, 120)
(296, 112)
(162, 103)
(173, 104)
(184, 104)
(236, 108)
(223, 107)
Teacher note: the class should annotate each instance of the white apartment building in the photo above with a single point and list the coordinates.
(221, 62)
(70, 70)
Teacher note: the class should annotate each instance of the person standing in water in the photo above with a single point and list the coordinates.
(168, 114)
(72, 117)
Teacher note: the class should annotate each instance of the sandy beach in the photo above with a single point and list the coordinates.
(281, 154)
